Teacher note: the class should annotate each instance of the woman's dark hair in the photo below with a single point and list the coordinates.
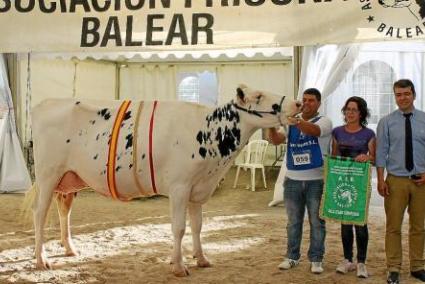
(362, 106)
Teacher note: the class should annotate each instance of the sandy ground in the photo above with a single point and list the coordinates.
(131, 242)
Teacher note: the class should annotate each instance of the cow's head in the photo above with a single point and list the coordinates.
(265, 109)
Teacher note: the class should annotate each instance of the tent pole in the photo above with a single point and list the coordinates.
(296, 64)
(13, 75)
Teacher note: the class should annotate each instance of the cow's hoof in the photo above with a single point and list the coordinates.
(180, 271)
(203, 262)
(43, 265)
(71, 253)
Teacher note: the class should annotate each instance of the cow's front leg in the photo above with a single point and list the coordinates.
(195, 212)
(64, 203)
(178, 201)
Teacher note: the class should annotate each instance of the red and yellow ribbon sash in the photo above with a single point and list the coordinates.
(110, 168)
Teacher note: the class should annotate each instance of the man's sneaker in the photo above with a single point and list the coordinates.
(420, 275)
(362, 270)
(316, 267)
(345, 266)
(393, 278)
(288, 263)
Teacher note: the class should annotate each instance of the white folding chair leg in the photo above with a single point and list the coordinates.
(236, 177)
(253, 179)
(264, 177)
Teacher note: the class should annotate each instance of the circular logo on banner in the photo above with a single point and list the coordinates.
(345, 195)
(398, 19)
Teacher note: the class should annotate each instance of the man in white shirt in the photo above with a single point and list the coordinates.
(307, 142)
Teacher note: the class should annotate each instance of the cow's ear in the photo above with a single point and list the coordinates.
(240, 96)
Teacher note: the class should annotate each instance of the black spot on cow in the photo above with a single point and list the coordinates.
(122, 125)
(226, 112)
(130, 166)
(68, 140)
(117, 168)
(193, 156)
(105, 113)
(118, 157)
(228, 140)
(97, 137)
(77, 102)
(199, 137)
(95, 157)
(129, 139)
(127, 115)
(143, 156)
(220, 137)
(202, 152)
(92, 121)
(104, 133)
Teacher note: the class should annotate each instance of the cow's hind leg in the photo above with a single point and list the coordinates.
(64, 203)
(40, 208)
(179, 199)
(195, 212)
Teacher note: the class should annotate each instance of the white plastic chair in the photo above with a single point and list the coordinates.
(254, 159)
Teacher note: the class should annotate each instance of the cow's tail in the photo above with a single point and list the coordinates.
(29, 203)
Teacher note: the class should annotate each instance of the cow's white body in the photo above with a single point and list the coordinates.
(182, 150)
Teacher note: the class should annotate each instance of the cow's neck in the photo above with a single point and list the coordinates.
(224, 133)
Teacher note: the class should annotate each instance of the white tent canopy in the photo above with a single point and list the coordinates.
(162, 32)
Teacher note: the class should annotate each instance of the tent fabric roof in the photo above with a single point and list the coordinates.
(247, 54)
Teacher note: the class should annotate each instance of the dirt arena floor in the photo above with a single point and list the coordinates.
(131, 242)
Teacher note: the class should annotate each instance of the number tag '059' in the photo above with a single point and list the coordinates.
(301, 159)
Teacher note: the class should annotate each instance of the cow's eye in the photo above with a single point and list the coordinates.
(259, 99)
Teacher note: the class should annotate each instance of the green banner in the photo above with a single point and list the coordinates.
(346, 192)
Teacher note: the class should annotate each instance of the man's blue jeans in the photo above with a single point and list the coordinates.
(298, 195)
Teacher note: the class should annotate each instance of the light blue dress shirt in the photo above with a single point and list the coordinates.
(390, 149)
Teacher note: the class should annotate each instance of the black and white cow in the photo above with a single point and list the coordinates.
(127, 149)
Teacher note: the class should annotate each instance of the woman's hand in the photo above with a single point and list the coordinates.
(362, 158)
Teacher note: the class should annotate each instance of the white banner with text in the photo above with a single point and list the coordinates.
(143, 25)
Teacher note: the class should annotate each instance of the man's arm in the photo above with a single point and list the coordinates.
(382, 149)
(305, 126)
